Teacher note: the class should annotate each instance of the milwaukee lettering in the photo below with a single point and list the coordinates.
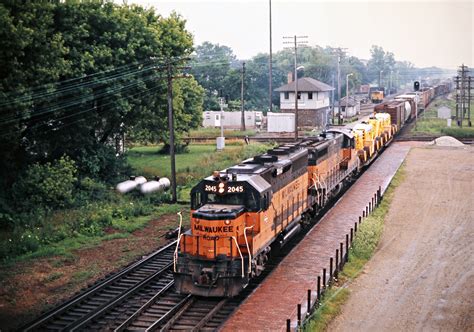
(214, 229)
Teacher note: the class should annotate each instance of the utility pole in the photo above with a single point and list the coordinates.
(171, 128)
(347, 93)
(242, 118)
(298, 41)
(270, 64)
(463, 95)
(339, 52)
(332, 100)
(339, 87)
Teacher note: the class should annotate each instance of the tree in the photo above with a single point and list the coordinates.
(211, 67)
(380, 61)
(75, 76)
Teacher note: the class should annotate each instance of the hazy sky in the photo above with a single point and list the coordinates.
(427, 33)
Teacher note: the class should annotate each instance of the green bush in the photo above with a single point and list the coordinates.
(89, 191)
(48, 186)
(101, 162)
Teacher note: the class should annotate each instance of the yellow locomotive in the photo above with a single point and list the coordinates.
(243, 213)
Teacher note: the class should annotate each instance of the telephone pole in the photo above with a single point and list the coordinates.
(242, 118)
(270, 64)
(332, 100)
(339, 52)
(171, 128)
(463, 95)
(298, 41)
(170, 78)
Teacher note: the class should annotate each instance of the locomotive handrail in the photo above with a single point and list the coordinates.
(175, 256)
(240, 253)
(248, 248)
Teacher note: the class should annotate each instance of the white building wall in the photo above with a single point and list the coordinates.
(231, 120)
(280, 122)
(320, 100)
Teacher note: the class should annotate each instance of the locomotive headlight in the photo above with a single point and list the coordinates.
(221, 188)
(227, 222)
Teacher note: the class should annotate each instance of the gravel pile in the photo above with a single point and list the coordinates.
(446, 141)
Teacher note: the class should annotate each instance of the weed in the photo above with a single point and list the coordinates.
(52, 277)
(333, 300)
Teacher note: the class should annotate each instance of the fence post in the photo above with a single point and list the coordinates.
(347, 246)
(308, 310)
(355, 227)
(330, 270)
(363, 214)
(337, 264)
(288, 325)
(318, 288)
(324, 279)
(366, 211)
(370, 207)
(360, 219)
(352, 234)
(341, 245)
(379, 193)
(298, 307)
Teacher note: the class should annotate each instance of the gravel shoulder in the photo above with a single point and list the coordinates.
(422, 275)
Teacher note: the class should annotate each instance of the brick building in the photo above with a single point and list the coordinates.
(313, 101)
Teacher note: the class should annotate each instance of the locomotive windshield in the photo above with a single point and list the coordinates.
(249, 200)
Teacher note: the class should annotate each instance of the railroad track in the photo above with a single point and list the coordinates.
(112, 298)
(170, 311)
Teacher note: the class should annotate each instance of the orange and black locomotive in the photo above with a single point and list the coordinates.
(239, 215)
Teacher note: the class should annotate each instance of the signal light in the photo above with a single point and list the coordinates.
(416, 86)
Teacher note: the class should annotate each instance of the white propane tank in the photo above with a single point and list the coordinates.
(127, 186)
(140, 180)
(154, 186)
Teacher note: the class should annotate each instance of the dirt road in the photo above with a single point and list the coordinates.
(422, 276)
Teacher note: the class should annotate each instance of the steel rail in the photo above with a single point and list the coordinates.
(90, 292)
(181, 306)
(82, 322)
(143, 308)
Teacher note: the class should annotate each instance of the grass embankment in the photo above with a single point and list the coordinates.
(363, 248)
(429, 124)
(105, 221)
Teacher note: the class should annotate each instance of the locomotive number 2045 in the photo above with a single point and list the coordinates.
(227, 189)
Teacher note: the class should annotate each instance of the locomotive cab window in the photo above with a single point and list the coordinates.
(196, 200)
(248, 200)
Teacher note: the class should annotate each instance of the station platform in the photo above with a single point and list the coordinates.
(276, 299)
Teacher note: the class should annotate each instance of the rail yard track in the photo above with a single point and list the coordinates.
(113, 297)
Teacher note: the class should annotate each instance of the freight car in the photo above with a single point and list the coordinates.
(405, 107)
(240, 215)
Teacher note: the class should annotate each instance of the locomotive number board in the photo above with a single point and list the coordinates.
(223, 188)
